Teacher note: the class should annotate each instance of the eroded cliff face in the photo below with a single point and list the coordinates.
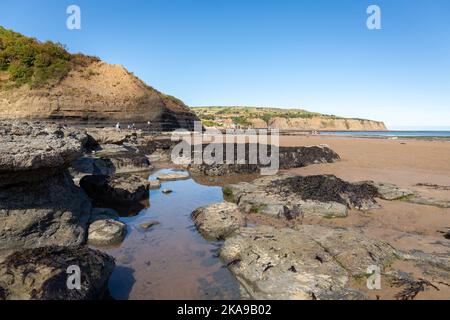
(283, 119)
(97, 93)
(320, 123)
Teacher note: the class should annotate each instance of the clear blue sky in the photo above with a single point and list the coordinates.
(317, 55)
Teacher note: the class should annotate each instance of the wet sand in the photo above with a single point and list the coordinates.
(404, 162)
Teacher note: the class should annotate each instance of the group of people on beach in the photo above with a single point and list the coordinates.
(130, 126)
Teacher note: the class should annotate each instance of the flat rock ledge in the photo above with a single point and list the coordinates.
(42, 274)
(289, 196)
(173, 176)
(391, 192)
(32, 151)
(306, 263)
(289, 157)
(219, 220)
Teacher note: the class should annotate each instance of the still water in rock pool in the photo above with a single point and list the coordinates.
(171, 260)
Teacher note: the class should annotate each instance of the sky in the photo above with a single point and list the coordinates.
(317, 55)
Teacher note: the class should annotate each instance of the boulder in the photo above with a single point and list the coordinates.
(50, 212)
(106, 190)
(106, 232)
(219, 220)
(306, 263)
(42, 274)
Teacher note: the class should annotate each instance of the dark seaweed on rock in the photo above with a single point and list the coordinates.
(326, 188)
(95, 268)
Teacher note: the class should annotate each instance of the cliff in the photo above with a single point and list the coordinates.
(43, 81)
(283, 119)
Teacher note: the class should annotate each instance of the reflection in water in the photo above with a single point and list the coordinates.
(171, 260)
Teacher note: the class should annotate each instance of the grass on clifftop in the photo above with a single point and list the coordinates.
(242, 115)
(27, 61)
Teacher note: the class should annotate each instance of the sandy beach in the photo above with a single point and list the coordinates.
(405, 163)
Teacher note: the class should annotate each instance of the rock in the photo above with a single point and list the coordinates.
(130, 162)
(327, 188)
(219, 220)
(106, 232)
(39, 203)
(121, 163)
(310, 262)
(166, 191)
(112, 150)
(110, 135)
(121, 190)
(32, 152)
(50, 212)
(173, 176)
(149, 224)
(289, 157)
(91, 166)
(389, 191)
(154, 184)
(42, 274)
(429, 202)
(288, 196)
(103, 213)
(447, 235)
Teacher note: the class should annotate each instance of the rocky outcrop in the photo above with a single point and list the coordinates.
(308, 263)
(34, 151)
(42, 274)
(39, 203)
(219, 220)
(327, 188)
(289, 196)
(118, 164)
(288, 157)
(121, 190)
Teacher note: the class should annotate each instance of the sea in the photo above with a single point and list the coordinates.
(411, 134)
